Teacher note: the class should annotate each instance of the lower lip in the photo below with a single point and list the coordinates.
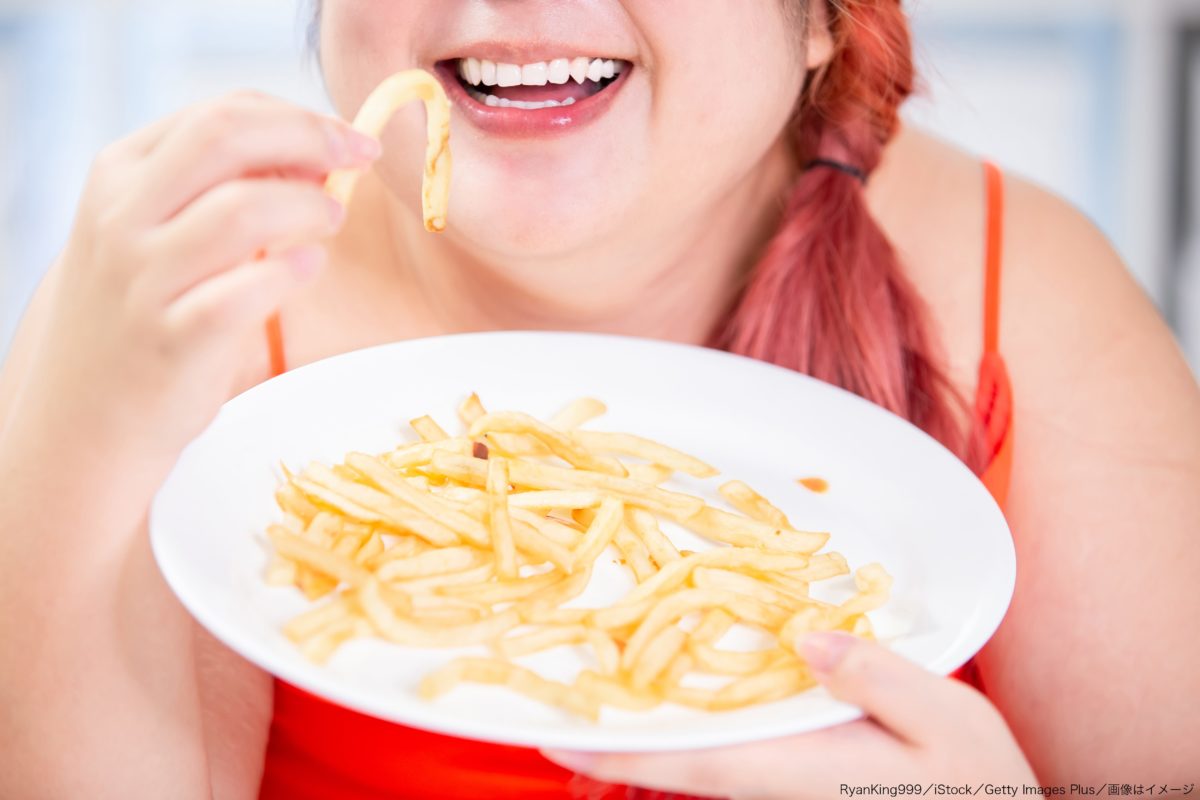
(526, 123)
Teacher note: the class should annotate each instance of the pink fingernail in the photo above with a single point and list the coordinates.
(824, 651)
(363, 147)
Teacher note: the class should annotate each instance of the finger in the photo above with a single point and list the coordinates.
(248, 294)
(911, 702)
(231, 223)
(142, 141)
(811, 764)
(238, 137)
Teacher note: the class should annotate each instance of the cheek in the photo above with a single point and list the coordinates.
(726, 82)
(362, 42)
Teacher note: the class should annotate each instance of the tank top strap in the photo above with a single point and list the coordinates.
(993, 256)
(275, 350)
(994, 398)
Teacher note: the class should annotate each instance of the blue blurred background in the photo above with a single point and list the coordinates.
(1096, 99)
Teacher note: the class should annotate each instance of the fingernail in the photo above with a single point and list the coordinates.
(824, 651)
(337, 212)
(363, 147)
(578, 762)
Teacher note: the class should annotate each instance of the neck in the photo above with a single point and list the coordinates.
(674, 284)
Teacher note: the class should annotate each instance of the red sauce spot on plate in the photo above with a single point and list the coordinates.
(818, 485)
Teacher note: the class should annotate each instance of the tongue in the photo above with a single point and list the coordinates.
(551, 91)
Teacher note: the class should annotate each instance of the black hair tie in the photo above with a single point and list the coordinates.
(852, 171)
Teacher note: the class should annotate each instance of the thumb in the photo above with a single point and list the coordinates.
(910, 701)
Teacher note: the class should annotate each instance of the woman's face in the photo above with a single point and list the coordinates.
(700, 93)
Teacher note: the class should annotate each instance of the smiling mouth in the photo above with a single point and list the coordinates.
(541, 85)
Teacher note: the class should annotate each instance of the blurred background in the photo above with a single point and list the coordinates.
(1097, 99)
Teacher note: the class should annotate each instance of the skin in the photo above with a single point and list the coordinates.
(152, 316)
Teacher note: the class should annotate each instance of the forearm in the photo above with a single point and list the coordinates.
(96, 672)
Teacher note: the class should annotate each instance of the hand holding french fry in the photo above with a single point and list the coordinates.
(161, 285)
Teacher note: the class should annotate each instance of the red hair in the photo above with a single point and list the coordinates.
(828, 297)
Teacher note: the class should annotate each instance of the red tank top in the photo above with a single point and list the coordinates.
(319, 751)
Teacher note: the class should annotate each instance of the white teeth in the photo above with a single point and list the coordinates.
(535, 74)
(487, 72)
(579, 69)
(503, 102)
(476, 71)
(560, 71)
(508, 75)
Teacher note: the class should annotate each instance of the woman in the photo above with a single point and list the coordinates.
(741, 179)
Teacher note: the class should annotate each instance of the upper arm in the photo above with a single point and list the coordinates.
(1091, 661)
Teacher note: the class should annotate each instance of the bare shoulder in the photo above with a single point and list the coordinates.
(1066, 301)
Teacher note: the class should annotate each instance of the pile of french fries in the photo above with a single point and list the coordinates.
(486, 538)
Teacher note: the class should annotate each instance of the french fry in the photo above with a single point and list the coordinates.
(655, 657)
(530, 540)
(501, 526)
(421, 453)
(544, 639)
(315, 557)
(423, 502)
(646, 527)
(676, 572)
(556, 594)
(753, 504)
(714, 578)
(316, 618)
(402, 631)
(470, 410)
(604, 526)
(608, 691)
(554, 530)
(428, 429)
(493, 593)
(541, 476)
(381, 104)
(371, 505)
(650, 473)
(430, 583)
(559, 443)
(731, 662)
(667, 611)
(578, 412)
(713, 625)
(554, 498)
(680, 666)
(634, 551)
(629, 445)
(721, 526)
(430, 562)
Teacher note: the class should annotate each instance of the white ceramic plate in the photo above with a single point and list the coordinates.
(895, 496)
